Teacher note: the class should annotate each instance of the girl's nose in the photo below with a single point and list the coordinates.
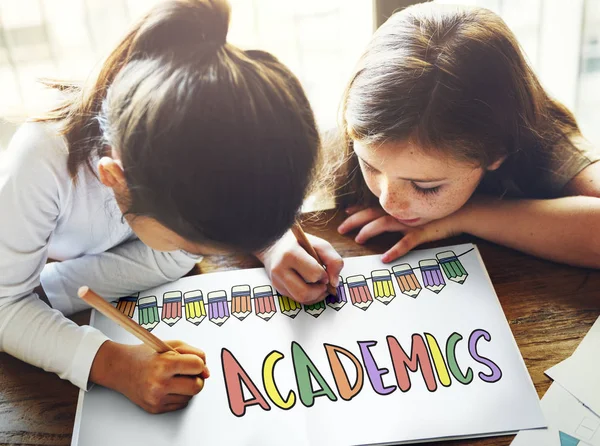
(392, 199)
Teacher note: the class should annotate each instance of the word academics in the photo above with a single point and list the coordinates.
(426, 355)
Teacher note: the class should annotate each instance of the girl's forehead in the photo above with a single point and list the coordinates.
(406, 156)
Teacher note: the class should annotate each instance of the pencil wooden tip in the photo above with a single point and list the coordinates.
(83, 291)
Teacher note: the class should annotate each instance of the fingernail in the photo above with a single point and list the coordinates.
(385, 258)
(335, 282)
(359, 240)
(340, 229)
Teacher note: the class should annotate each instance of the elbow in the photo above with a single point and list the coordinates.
(174, 265)
(595, 254)
(590, 249)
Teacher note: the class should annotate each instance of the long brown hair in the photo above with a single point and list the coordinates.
(218, 144)
(453, 80)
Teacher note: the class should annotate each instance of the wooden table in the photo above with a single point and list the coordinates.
(550, 308)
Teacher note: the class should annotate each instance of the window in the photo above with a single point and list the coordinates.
(562, 43)
(320, 40)
(588, 104)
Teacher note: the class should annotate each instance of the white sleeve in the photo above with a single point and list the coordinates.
(30, 193)
(120, 271)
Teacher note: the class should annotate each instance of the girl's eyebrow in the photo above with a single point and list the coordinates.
(415, 180)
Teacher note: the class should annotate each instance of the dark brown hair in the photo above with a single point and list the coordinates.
(453, 80)
(217, 144)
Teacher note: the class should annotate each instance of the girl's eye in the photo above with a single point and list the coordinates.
(426, 190)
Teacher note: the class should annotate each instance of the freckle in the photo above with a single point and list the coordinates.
(531, 234)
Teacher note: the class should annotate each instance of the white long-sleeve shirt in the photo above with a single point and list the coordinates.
(43, 214)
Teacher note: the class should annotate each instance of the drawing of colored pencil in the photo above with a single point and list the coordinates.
(126, 305)
(432, 275)
(195, 312)
(240, 301)
(452, 266)
(383, 288)
(171, 307)
(359, 292)
(315, 310)
(288, 306)
(218, 310)
(148, 312)
(337, 302)
(407, 280)
(264, 302)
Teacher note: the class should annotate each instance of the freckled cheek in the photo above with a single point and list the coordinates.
(447, 203)
(428, 206)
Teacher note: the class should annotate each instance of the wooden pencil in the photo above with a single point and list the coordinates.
(308, 247)
(128, 324)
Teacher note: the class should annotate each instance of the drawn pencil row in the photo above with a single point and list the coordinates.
(218, 308)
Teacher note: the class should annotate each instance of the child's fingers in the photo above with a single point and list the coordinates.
(359, 219)
(281, 288)
(398, 250)
(185, 364)
(184, 348)
(305, 266)
(176, 399)
(298, 289)
(378, 226)
(408, 242)
(175, 406)
(185, 385)
(353, 209)
(314, 298)
(333, 262)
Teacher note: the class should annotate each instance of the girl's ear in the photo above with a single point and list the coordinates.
(112, 175)
(496, 163)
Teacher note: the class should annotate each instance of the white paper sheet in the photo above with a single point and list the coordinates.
(564, 413)
(329, 407)
(580, 373)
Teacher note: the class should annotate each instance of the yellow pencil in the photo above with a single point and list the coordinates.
(128, 324)
(305, 243)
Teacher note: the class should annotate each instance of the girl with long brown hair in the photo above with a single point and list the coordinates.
(448, 130)
(182, 145)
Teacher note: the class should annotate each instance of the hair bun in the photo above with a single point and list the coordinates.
(213, 18)
(179, 24)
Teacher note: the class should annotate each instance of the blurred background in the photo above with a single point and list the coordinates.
(320, 40)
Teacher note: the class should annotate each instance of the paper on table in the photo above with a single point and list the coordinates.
(563, 414)
(538, 437)
(578, 374)
(420, 352)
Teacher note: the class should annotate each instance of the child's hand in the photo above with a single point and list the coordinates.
(295, 274)
(374, 221)
(157, 382)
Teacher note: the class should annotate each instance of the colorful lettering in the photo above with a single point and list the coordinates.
(496, 373)
(269, 382)
(374, 373)
(419, 359)
(438, 360)
(235, 376)
(304, 369)
(453, 364)
(346, 390)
